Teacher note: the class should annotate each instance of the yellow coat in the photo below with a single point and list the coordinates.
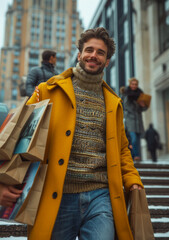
(120, 167)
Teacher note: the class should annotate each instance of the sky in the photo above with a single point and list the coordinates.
(86, 9)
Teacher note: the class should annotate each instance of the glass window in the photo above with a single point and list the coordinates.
(62, 47)
(18, 24)
(2, 94)
(14, 94)
(163, 13)
(15, 69)
(127, 66)
(15, 76)
(73, 39)
(113, 77)
(19, 7)
(125, 6)
(18, 31)
(126, 32)
(19, 17)
(16, 61)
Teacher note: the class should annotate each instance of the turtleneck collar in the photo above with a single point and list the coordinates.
(87, 81)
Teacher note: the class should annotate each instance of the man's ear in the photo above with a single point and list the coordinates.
(107, 62)
(78, 56)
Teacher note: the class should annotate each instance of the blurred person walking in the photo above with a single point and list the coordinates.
(43, 73)
(153, 141)
(133, 116)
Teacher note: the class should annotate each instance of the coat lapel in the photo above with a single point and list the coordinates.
(63, 81)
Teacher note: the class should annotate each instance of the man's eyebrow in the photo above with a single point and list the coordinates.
(100, 50)
(88, 48)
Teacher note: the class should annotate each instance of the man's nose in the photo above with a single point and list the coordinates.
(94, 54)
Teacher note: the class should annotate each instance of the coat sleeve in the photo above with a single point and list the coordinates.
(31, 82)
(130, 174)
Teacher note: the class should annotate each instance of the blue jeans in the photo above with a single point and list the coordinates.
(135, 141)
(87, 215)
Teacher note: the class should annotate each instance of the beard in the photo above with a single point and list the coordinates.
(98, 71)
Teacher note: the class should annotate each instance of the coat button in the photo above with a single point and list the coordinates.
(54, 195)
(68, 132)
(61, 161)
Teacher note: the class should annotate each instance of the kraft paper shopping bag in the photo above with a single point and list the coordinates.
(13, 172)
(146, 98)
(12, 127)
(32, 142)
(9, 213)
(28, 211)
(139, 216)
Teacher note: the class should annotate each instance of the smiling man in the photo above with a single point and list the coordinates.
(88, 157)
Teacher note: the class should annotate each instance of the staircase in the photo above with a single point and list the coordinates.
(155, 177)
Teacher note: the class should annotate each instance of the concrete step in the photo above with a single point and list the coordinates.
(152, 165)
(13, 230)
(155, 181)
(156, 189)
(156, 213)
(154, 173)
(158, 200)
(160, 227)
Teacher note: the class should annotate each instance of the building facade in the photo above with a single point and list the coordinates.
(32, 27)
(152, 62)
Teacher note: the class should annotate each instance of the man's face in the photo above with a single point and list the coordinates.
(52, 60)
(93, 58)
(133, 85)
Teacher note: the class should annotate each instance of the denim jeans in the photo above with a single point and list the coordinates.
(135, 141)
(87, 215)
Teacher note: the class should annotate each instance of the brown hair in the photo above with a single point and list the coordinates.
(99, 33)
(47, 54)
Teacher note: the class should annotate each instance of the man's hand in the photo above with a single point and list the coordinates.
(135, 186)
(8, 195)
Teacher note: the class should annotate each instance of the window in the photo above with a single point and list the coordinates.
(15, 69)
(14, 94)
(163, 14)
(15, 77)
(127, 66)
(125, 6)
(18, 31)
(126, 33)
(16, 61)
(113, 77)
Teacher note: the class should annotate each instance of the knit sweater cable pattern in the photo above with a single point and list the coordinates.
(87, 168)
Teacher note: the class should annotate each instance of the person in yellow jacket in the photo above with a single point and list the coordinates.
(87, 152)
